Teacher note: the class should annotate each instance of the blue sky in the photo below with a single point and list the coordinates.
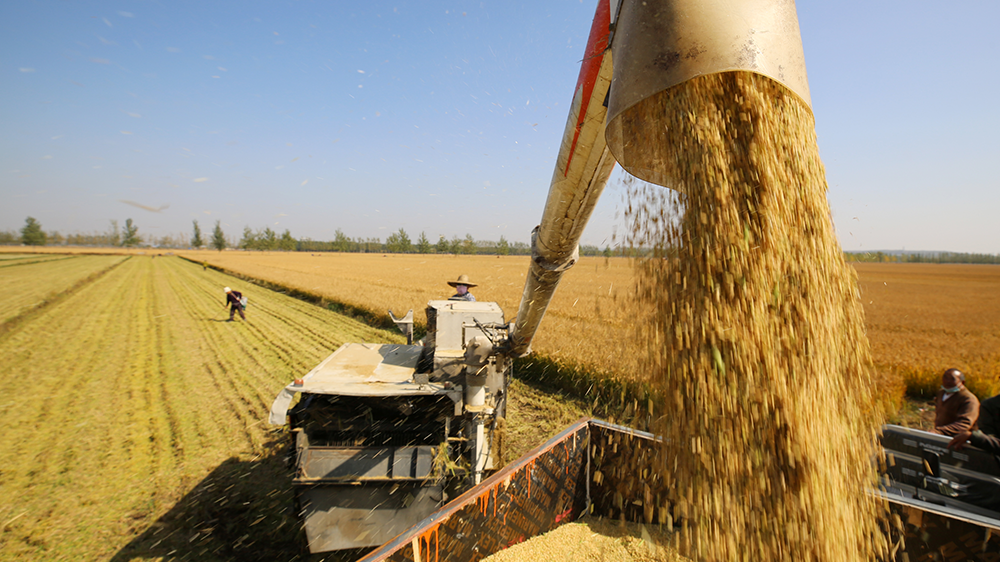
(445, 117)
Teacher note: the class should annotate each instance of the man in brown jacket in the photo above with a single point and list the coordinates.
(955, 408)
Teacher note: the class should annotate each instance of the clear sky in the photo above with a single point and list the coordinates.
(445, 117)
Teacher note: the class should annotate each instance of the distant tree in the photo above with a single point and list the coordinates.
(398, 242)
(503, 247)
(249, 240)
(130, 234)
(218, 238)
(607, 252)
(9, 237)
(196, 240)
(468, 245)
(267, 239)
(442, 246)
(55, 238)
(423, 244)
(455, 246)
(32, 234)
(341, 242)
(114, 237)
(287, 243)
(368, 245)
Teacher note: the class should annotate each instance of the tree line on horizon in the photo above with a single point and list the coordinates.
(399, 242)
(922, 257)
(266, 239)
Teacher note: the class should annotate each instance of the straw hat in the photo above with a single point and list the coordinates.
(462, 280)
(228, 290)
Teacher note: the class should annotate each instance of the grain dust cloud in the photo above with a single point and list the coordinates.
(754, 329)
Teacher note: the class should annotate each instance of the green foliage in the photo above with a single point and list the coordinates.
(267, 239)
(442, 246)
(922, 257)
(423, 244)
(249, 240)
(953, 257)
(503, 247)
(114, 237)
(32, 234)
(9, 237)
(398, 242)
(468, 245)
(287, 243)
(341, 243)
(218, 238)
(196, 240)
(130, 234)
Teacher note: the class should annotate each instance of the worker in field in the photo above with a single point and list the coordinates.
(462, 287)
(955, 408)
(234, 299)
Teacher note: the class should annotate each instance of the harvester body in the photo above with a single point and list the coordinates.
(384, 434)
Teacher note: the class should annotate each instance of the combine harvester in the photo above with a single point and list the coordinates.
(396, 445)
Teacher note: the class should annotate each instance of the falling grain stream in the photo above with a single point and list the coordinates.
(755, 330)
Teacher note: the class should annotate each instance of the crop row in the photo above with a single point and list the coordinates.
(30, 282)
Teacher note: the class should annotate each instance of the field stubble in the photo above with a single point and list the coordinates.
(130, 405)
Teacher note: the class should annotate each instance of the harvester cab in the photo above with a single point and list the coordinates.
(384, 434)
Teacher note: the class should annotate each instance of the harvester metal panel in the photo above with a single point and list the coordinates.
(365, 464)
(340, 517)
(363, 369)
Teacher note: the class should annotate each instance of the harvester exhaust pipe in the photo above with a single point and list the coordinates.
(655, 45)
(660, 44)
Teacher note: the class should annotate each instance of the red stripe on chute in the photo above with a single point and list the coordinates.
(597, 43)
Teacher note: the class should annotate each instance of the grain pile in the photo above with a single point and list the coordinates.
(594, 540)
(755, 331)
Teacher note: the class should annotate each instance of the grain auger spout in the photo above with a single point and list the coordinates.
(656, 45)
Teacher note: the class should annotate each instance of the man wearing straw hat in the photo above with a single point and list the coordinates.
(462, 287)
(234, 299)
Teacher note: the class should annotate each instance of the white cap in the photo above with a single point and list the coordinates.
(228, 290)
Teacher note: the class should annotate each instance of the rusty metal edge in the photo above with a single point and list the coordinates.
(469, 497)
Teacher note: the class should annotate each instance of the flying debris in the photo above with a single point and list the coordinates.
(146, 207)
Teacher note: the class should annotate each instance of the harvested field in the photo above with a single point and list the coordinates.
(29, 282)
(135, 418)
(126, 398)
(7, 260)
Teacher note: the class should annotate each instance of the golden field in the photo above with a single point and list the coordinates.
(588, 323)
(925, 318)
(134, 418)
(921, 318)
